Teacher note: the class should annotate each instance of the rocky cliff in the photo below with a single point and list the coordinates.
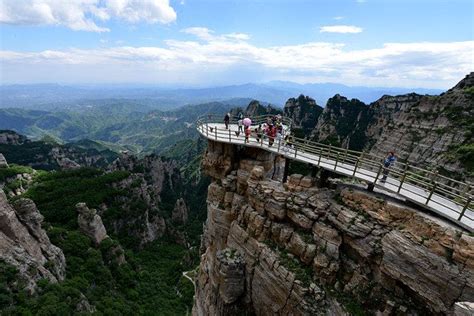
(342, 123)
(429, 131)
(304, 112)
(273, 248)
(153, 199)
(26, 246)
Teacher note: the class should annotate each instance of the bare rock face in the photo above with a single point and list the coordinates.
(12, 138)
(90, 223)
(231, 275)
(303, 250)
(180, 212)
(303, 111)
(26, 246)
(3, 161)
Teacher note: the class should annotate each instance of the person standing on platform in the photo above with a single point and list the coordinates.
(387, 164)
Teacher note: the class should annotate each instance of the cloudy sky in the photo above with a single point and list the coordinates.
(397, 43)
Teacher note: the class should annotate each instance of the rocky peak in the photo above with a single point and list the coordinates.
(180, 212)
(90, 223)
(303, 111)
(342, 123)
(255, 109)
(8, 137)
(467, 82)
(26, 246)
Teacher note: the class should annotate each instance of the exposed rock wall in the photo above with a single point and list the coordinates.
(90, 223)
(295, 249)
(303, 111)
(26, 246)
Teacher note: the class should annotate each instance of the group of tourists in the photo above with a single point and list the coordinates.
(271, 130)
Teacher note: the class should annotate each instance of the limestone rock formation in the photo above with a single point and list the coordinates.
(303, 111)
(425, 130)
(149, 176)
(26, 246)
(342, 123)
(90, 223)
(12, 138)
(180, 212)
(304, 250)
(3, 161)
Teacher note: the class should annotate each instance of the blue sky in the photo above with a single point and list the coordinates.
(355, 42)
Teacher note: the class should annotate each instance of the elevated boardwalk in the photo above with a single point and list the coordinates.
(446, 197)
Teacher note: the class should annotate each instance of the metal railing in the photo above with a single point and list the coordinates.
(448, 197)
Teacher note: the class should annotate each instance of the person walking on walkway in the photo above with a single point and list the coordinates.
(240, 122)
(247, 133)
(271, 135)
(387, 164)
(259, 133)
(226, 120)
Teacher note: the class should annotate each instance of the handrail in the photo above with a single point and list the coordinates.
(448, 197)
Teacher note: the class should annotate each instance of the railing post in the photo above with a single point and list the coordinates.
(296, 150)
(215, 131)
(230, 137)
(465, 208)
(320, 154)
(337, 158)
(355, 168)
(207, 130)
(378, 174)
(403, 177)
(431, 193)
(345, 156)
(279, 143)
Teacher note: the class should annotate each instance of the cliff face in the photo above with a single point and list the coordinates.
(303, 111)
(153, 189)
(25, 245)
(271, 248)
(428, 131)
(342, 123)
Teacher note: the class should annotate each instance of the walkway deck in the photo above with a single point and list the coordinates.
(440, 197)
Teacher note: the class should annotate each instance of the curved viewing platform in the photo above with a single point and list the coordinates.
(446, 197)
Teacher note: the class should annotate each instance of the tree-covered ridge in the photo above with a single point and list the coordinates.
(118, 125)
(149, 282)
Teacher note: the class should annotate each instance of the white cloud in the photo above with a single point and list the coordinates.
(338, 18)
(340, 29)
(205, 34)
(201, 32)
(361, 1)
(82, 15)
(218, 59)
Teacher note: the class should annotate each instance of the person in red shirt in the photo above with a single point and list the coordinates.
(247, 133)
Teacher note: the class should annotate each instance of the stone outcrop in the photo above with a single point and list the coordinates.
(90, 223)
(12, 138)
(26, 246)
(180, 212)
(303, 111)
(149, 177)
(3, 161)
(298, 249)
(425, 130)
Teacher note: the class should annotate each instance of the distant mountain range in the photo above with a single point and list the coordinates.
(55, 96)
